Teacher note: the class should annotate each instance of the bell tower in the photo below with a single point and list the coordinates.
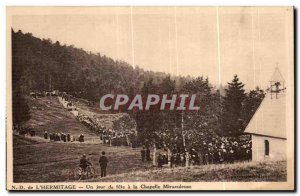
(276, 88)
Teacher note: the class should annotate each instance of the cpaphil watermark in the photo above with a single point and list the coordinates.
(179, 102)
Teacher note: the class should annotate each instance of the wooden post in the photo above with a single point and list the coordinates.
(187, 159)
(169, 157)
(154, 155)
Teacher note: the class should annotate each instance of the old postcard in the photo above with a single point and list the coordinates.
(150, 98)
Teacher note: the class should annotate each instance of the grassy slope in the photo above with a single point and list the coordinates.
(47, 114)
(52, 162)
(272, 171)
(105, 118)
(38, 160)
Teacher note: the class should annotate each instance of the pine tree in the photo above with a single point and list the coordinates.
(232, 108)
(251, 103)
(20, 110)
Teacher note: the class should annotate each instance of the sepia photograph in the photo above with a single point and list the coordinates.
(138, 98)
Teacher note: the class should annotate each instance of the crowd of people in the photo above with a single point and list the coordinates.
(107, 135)
(26, 131)
(56, 137)
(118, 138)
(89, 122)
(36, 94)
(212, 150)
(216, 150)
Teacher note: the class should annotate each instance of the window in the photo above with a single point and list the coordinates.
(267, 148)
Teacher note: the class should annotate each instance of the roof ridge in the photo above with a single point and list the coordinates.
(276, 76)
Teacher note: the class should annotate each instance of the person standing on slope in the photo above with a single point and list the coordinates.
(103, 164)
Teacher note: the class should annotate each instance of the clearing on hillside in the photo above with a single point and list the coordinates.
(47, 114)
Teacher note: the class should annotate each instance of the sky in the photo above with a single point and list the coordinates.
(216, 42)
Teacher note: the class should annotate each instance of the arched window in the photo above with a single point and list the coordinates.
(267, 147)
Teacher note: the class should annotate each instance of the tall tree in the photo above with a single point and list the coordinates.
(252, 101)
(42, 65)
(202, 124)
(20, 109)
(232, 123)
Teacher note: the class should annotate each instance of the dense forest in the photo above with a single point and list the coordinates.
(43, 65)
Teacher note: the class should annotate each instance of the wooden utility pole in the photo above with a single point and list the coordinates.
(184, 144)
(154, 154)
(169, 157)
